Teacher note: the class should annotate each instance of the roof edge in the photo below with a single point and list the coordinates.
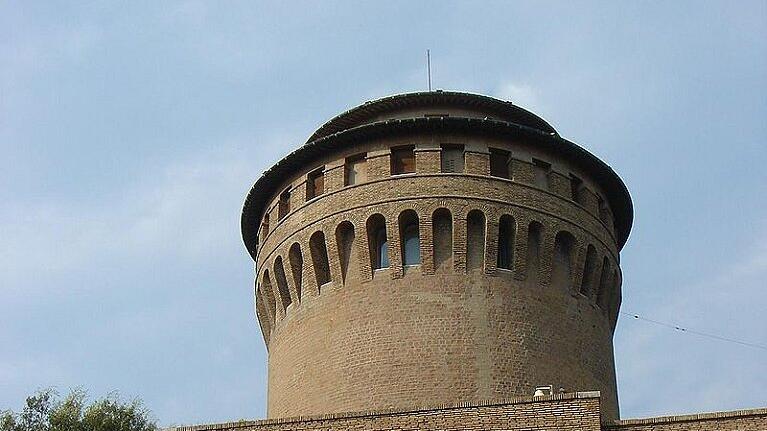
(264, 188)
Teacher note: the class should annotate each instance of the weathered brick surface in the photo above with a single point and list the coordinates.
(740, 420)
(410, 336)
(573, 411)
(576, 412)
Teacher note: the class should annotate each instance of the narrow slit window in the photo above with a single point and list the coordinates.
(402, 160)
(315, 183)
(506, 233)
(452, 158)
(377, 242)
(410, 238)
(499, 163)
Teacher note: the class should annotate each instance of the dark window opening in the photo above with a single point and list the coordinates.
(576, 185)
(402, 160)
(452, 158)
(410, 237)
(355, 170)
(506, 234)
(541, 172)
(499, 163)
(315, 183)
(284, 206)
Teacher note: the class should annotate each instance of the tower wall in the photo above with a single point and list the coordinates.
(344, 336)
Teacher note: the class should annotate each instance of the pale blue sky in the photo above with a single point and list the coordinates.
(131, 132)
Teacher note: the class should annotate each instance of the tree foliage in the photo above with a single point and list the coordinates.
(44, 411)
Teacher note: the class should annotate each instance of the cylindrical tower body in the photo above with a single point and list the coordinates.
(434, 248)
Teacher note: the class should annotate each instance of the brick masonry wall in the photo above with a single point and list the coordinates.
(562, 413)
(572, 411)
(740, 420)
(399, 337)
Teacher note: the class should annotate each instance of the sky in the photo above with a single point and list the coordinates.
(130, 133)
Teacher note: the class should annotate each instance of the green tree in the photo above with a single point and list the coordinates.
(44, 411)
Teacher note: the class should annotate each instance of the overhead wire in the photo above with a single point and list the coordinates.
(682, 329)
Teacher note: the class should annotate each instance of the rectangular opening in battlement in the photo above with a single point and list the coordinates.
(284, 205)
(355, 169)
(576, 186)
(402, 160)
(315, 183)
(452, 159)
(499, 163)
(541, 172)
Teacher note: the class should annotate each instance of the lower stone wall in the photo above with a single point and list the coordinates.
(741, 420)
(576, 411)
(572, 411)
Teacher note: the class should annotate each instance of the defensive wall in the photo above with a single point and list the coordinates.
(575, 411)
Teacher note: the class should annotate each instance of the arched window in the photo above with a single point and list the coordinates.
(268, 294)
(319, 251)
(442, 226)
(603, 293)
(264, 320)
(297, 264)
(344, 240)
(562, 276)
(506, 234)
(589, 271)
(282, 282)
(410, 238)
(475, 240)
(534, 232)
(378, 242)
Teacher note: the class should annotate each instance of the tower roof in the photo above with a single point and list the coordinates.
(363, 114)
(372, 119)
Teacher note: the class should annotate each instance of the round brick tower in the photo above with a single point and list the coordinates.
(433, 248)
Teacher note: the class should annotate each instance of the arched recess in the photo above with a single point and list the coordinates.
(564, 245)
(268, 293)
(319, 251)
(442, 233)
(534, 235)
(603, 294)
(344, 241)
(282, 282)
(378, 242)
(475, 240)
(588, 280)
(410, 238)
(507, 231)
(263, 316)
(297, 266)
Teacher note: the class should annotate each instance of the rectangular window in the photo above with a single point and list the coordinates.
(264, 228)
(284, 206)
(355, 170)
(499, 163)
(315, 183)
(541, 171)
(402, 160)
(575, 188)
(452, 158)
(603, 211)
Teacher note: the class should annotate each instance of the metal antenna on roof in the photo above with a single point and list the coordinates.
(428, 67)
